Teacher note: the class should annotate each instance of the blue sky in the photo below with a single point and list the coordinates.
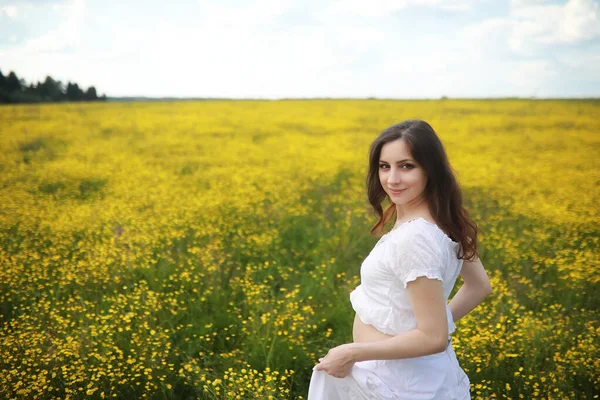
(313, 48)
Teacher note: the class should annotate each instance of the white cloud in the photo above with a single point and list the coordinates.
(488, 63)
(9, 11)
(585, 61)
(255, 14)
(381, 8)
(65, 36)
(584, 65)
(537, 24)
(581, 20)
(487, 36)
(525, 3)
(532, 74)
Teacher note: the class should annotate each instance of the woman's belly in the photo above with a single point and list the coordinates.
(362, 332)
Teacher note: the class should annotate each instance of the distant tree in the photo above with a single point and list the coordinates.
(43, 90)
(50, 90)
(12, 83)
(74, 93)
(2, 81)
(90, 94)
(15, 90)
(3, 92)
(70, 92)
(31, 94)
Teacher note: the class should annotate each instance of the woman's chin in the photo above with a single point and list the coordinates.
(397, 200)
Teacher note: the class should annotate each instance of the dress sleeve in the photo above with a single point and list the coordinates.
(414, 255)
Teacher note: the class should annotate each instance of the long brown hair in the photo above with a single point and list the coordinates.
(442, 191)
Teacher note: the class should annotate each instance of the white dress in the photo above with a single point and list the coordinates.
(415, 248)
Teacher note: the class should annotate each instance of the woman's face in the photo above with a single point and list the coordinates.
(400, 176)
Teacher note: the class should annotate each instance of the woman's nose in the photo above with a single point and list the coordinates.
(394, 176)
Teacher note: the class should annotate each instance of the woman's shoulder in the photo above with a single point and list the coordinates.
(414, 226)
(419, 231)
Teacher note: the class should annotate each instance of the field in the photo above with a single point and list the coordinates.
(207, 249)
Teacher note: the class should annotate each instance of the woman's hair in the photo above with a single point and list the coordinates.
(442, 191)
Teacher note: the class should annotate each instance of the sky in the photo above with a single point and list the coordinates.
(305, 49)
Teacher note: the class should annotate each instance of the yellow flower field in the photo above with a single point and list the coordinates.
(207, 249)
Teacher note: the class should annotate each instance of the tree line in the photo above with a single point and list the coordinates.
(15, 90)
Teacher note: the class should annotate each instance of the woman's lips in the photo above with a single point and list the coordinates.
(392, 191)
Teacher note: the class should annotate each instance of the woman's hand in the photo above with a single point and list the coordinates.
(339, 361)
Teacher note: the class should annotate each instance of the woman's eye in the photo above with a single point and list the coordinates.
(408, 166)
(383, 166)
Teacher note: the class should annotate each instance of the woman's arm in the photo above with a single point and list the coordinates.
(475, 289)
(427, 299)
(429, 337)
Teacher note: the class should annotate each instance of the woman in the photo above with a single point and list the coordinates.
(402, 347)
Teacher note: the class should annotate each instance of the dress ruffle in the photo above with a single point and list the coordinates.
(414, 274)
(381, 317)
(386, 319)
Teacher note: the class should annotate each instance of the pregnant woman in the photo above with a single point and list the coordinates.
(402, 347)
